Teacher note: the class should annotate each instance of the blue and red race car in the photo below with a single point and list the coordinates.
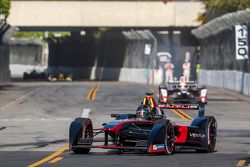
(148, 131)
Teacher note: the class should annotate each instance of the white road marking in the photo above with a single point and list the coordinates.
(63, 119)
(21, 120)
(85, 113)
(20, 98)
(5, 120)
(35, 119)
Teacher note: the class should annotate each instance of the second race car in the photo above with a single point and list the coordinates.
(34, 75)
(60, 77)
(182, 92)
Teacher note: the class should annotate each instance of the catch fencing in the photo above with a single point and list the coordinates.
(219, 65)
(122, 56)
(4, 56)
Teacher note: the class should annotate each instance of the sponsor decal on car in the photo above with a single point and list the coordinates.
(158, 146)
(196, 135)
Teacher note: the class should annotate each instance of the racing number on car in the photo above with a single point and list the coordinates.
(241, 38)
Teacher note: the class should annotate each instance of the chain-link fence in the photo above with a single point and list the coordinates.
(217, 41)
(117, 55)
(218, 52)
(4, 55)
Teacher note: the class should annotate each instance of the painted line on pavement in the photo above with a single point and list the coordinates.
(177, 113)
(85, 113)
(184, 114)
(48, 158)
(241, 162)
(95, 91)
(92, 92)
(55, 160)
(19, 98)
(35, 119)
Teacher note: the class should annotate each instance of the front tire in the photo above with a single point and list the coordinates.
(169, 136)
(85, 133)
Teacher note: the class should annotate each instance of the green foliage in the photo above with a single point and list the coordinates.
(100, 33)
(227, 5)
(4, 8)
(216, 8)
(41, 35)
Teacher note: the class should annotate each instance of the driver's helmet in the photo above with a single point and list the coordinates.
(182, 82)
(182, 79)
(143, 111)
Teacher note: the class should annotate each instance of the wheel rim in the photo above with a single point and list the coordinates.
(212, 134)
(169, 139)
(88, 132)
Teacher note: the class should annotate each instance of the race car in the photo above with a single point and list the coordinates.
(182, 92)
(34, 75)
(148, 131)
(60, 77)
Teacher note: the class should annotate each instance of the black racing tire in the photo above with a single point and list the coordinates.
(169, 135)
(25, 76)
(210, 135)
(85, 132)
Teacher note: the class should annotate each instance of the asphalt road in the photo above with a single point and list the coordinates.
(35, 118)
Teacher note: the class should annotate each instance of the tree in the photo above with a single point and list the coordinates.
(216, 8)
(227, 5)
(4, 8)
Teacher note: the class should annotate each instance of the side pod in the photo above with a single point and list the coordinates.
(157, 135)
(74, 129)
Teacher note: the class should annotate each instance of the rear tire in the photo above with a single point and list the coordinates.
(210, 135)
(85, 133)
(25, 76)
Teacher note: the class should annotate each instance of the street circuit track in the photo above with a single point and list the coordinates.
(35, 118)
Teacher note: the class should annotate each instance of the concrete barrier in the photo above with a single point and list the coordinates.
(246, 88)
(233, 80)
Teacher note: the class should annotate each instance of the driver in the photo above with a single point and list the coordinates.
(144, 112)
(182, 82)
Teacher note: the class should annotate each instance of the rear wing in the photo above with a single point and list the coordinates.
(178, 82)
(200, 107)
